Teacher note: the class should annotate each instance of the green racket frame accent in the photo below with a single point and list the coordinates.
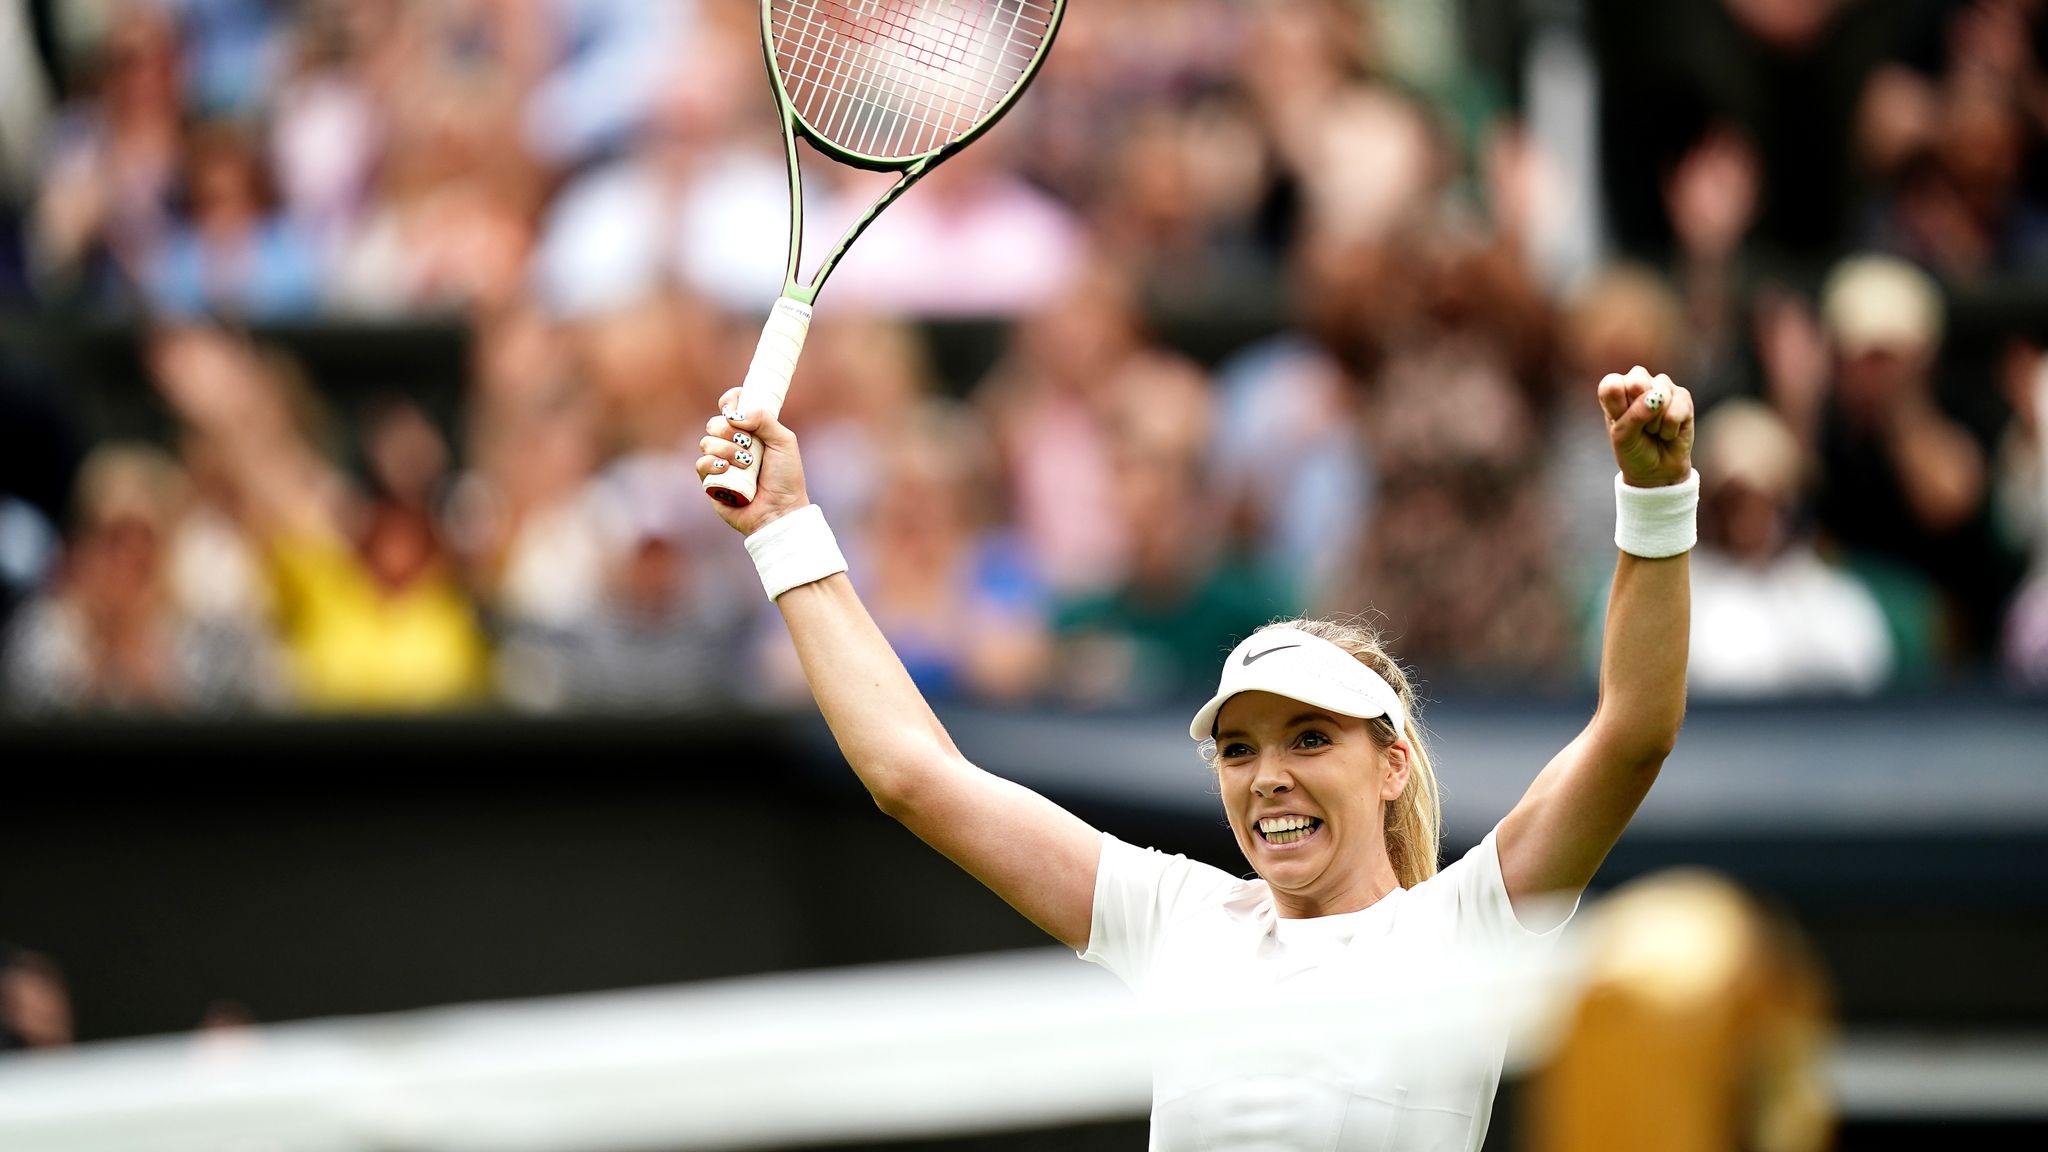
(913, 169)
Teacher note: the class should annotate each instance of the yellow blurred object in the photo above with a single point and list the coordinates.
(355, 645)
(1704, 1028)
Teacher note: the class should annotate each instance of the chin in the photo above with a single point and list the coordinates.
(1289, 871)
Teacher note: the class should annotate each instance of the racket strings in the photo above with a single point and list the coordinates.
(894, 106)
(896, 79)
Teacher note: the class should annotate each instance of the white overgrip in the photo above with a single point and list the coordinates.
(764, 390)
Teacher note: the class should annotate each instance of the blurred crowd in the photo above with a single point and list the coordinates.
(1796, 207)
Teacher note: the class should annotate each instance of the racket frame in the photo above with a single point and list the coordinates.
(782, 339)
(913, 168)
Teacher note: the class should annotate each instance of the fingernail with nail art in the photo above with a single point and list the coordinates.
(744, 458)
(743, 440)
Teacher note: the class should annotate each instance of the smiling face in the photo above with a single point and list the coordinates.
(1305, 791)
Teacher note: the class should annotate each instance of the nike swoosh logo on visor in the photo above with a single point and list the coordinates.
(1249, 657)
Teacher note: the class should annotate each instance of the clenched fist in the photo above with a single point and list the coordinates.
(1649, 423)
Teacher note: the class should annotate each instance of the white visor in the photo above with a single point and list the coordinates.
(1301, 667)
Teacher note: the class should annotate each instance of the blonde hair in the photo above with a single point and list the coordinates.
(1414, 819)
(132, 481)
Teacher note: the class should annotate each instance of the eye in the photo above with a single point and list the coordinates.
(1235, 750)
(1312, 739)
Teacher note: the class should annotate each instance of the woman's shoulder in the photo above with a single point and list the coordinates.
(1469, 897)
(1182, 886)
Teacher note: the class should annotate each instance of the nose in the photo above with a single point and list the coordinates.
(1272, 778)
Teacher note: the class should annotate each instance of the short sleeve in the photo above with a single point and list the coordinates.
(1482, 911)
(1139, 893)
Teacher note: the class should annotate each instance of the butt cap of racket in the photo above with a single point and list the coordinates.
(763, 391)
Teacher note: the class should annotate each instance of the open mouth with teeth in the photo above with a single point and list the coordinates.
(1281, 831)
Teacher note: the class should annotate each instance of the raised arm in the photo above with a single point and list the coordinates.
(224, 393)
(1028, 850)
(1562, 829)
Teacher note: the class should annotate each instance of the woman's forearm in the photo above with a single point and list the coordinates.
(884, 727)
(1578, 806)
(1643, 657)
(1036, 855)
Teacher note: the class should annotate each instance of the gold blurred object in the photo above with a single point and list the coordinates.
(1704, 1027)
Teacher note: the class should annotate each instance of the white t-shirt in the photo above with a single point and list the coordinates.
(1795, 624)
(1293, 1059)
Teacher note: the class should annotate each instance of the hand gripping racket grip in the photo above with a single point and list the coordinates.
(766, 386)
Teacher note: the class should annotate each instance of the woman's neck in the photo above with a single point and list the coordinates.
(1356, 892)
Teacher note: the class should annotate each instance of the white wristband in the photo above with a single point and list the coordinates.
(794, 549)
(1657, 522)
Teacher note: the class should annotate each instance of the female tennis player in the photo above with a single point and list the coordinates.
(1328, 787)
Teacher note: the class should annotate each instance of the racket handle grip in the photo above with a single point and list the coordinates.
(764, 390)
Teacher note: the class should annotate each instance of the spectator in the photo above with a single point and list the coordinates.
(35, 1005)
(598, 577)
(233, 49)
(1115, 62)
(450, 220)
(452, 224)
(1770, 617)
(105, 203)
(1183, 208)
(665, 628)
(649, 365)
(1460, 548)
(370, 611)
(1956, 206)
(1711, 196)
(1945, 128)
(326, 128)
(1150, 639)
(529, 537)
(2022, 476)
(613, 58)
(595, 188)
(957, 597)
(233, 254)
(699, 202)
(971, 240)
(1785, 74)
(1301, 513)
(1627, 315)
(1045, 403)
(865, 380)
(216, 571)
(1900, 479)
(111, 634)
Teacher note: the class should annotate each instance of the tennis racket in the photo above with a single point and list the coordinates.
(886, 85)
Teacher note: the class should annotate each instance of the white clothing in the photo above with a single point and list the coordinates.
(997, 248)
(621, 232)
(1295, 1071)
(1791, 625)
